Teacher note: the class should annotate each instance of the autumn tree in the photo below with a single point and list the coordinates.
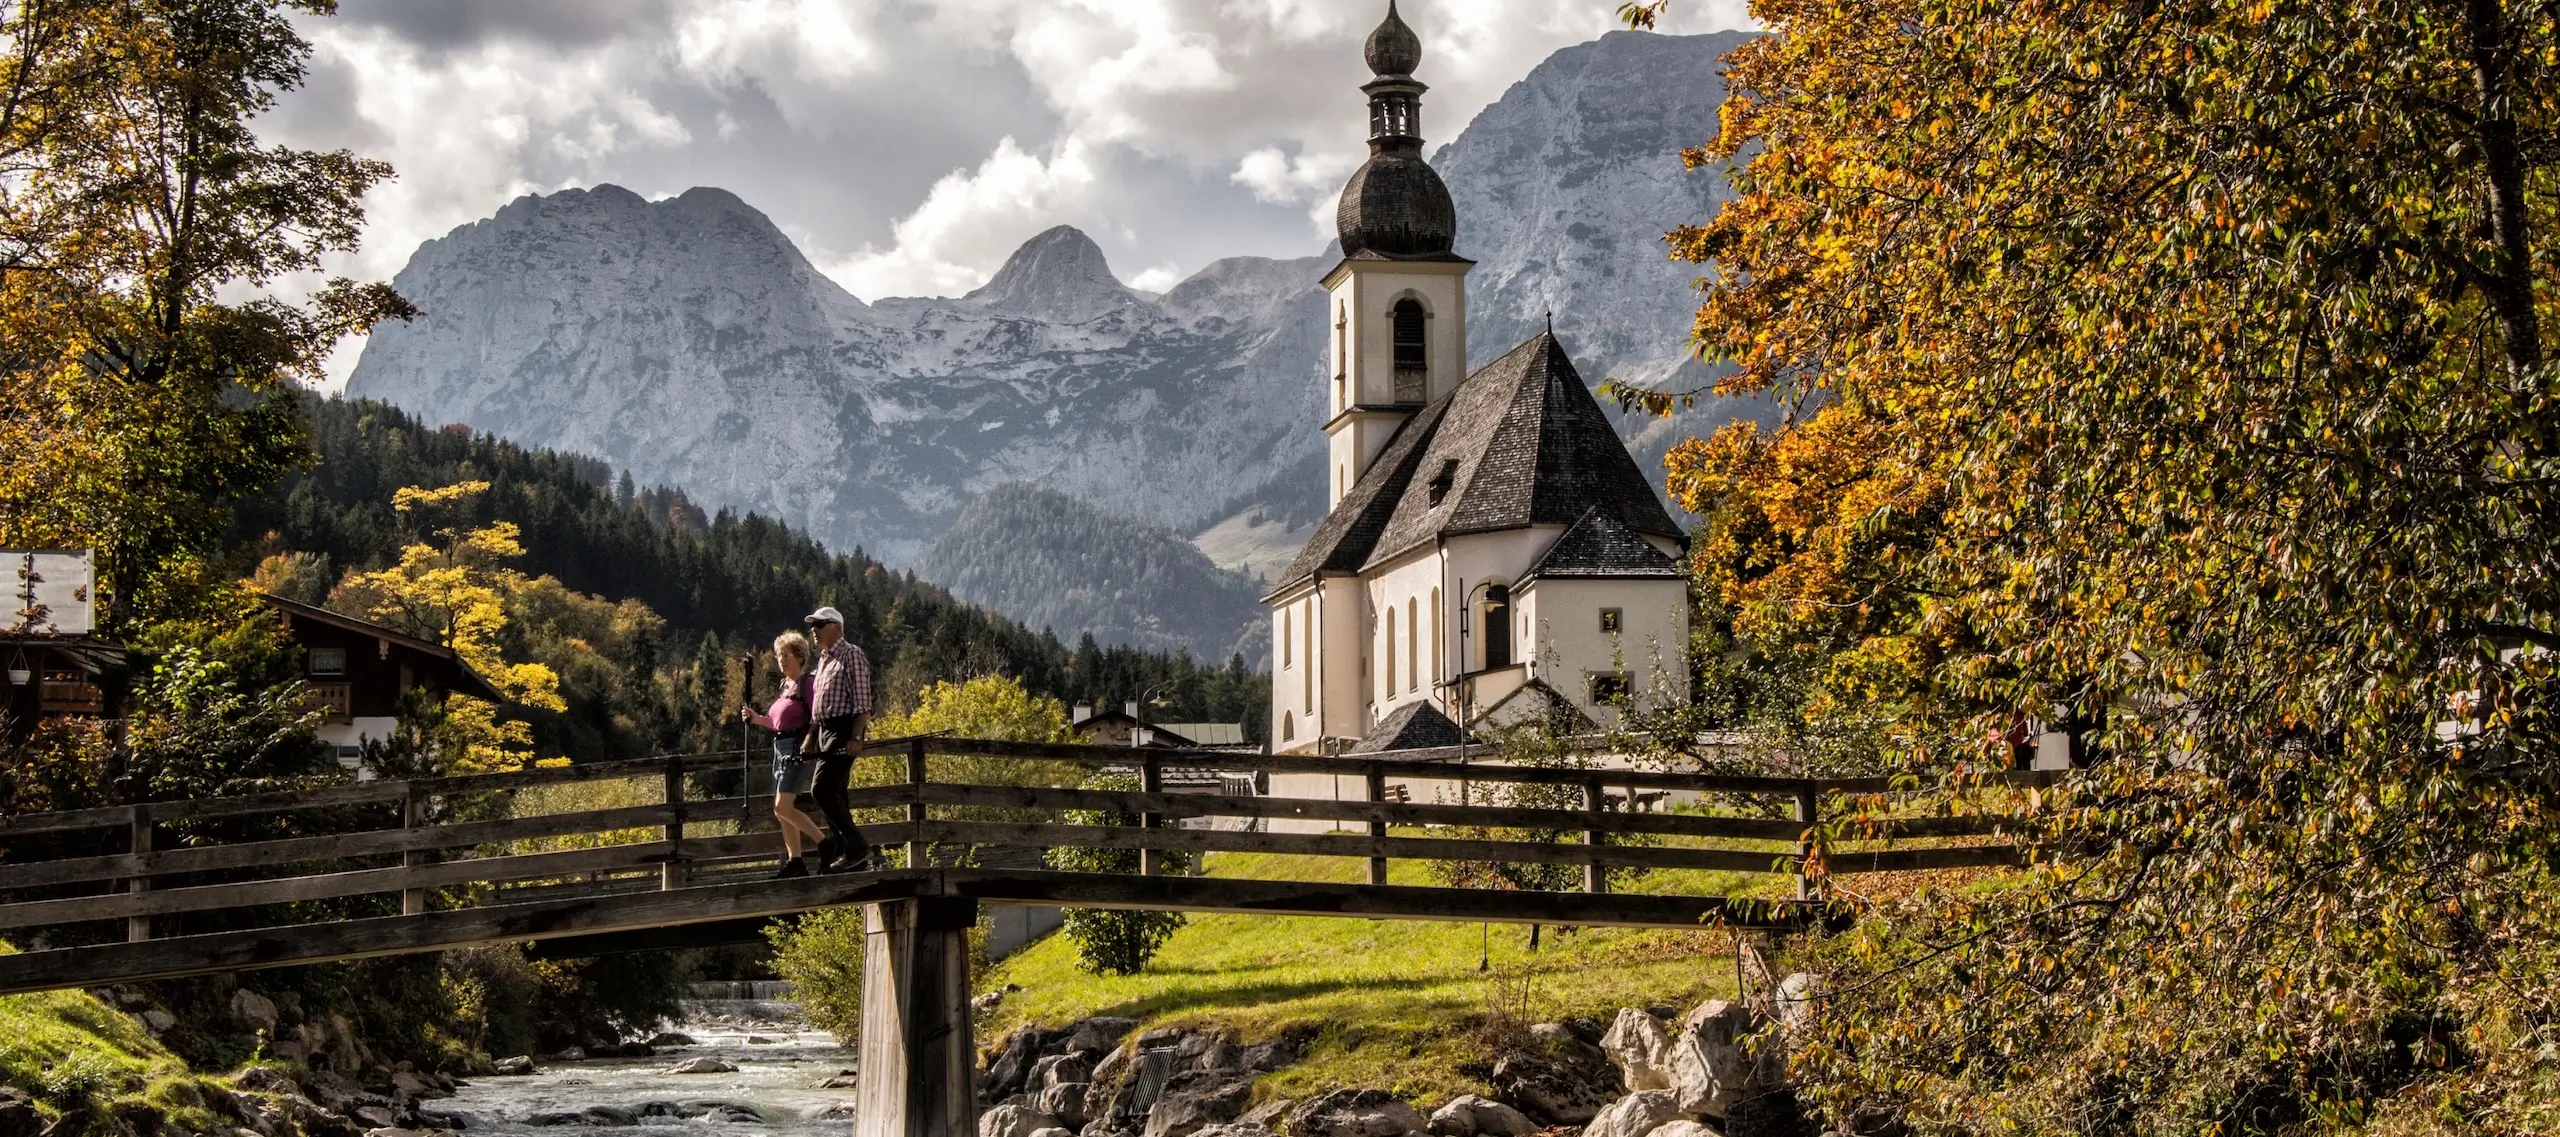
(145, 367)
(2179, 368)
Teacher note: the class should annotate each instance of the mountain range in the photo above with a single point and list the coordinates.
(689, 341)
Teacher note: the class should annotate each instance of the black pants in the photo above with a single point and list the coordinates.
(837, 752)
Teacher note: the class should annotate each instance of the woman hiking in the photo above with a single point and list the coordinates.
(793, 772)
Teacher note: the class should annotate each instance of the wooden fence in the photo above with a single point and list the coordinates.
(445, 843)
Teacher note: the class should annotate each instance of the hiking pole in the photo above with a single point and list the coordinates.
(746, 744)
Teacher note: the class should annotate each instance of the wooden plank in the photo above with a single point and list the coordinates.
(1907, 783)
(337, 846)
(175, 956)
(338, 795)
(326, 886)
(517, 923)
(1354, 845)
(1917, 860)
(1394, 813)
(1386, 902)
(1414, 764)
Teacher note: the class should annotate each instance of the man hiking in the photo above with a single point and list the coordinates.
(840, 712)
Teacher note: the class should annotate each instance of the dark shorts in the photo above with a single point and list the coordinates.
(792, 771)
(836, 737)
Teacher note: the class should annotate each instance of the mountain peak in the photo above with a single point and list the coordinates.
(1058, 275)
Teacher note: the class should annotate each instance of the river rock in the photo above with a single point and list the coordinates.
(1469, 1115)
(1010, 1120)
(1634, 1115)
(609, 1115)
(1354, 1113)
(400, 1132)
(672, 1038)
(1054, 1131)
(377, 1116)
(1640, 1045)
(1058, 1069)
(411, 1084)
(1101, 1032)
(254, 1009)
(841, 1082)
(518, 1066)
(760, 1040)
(1064, 1101)
(1185, 1109)
(702, 1064)
(1712, 1064)
(1565, 1082)
(159, 1021)
(572, 1054)
(1684, 1128)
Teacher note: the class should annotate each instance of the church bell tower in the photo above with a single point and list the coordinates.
(1398, 300)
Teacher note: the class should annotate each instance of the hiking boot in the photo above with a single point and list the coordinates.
(829, 848)
(860, 862)
(792, 867)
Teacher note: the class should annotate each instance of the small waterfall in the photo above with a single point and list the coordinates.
(742, 1002)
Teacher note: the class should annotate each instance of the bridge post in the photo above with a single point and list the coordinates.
(1150, 781)
(413, 814)
(1377, 825)
(918, 773)
(1808, 805)
(138, 928)
(919, 1064)
(671, 874)
(1595, 800)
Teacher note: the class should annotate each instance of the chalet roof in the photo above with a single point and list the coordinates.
(1520, 443)
(464, 680)
(1208, 733)
(1413, 726)
(1598, 546)
(1163, 734)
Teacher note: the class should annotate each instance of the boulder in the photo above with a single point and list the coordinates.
(377, 1116)
(1101, 1032)
(1064, 1101)
(263, 1080)
(1353, 1113)
(1054, 1131)
(702, 1064)
(254, 1009)
(760, 1040)
(18, 1116)
(1187, 1109)
(417, 1087)
(1712, 1064)
(1640, 1045)
(572, 1054)
(1472, 1116)
(1556, 1089)
(609, 1115)
(1059, 1069)
(1684, 1128)
(672, 1038)
(159, 1021)
(515, 1067)
(1635, 1115)
(840, 1082)
(1010, 1120)
(1796, 993)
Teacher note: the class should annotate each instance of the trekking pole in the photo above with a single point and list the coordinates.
(746, 745)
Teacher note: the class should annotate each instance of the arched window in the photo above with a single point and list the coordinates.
(1306, 648)
(1413, 648)
(1497, 627)
(1288, 726)
(1439, 632)
(1288, 626)
(1413, 360)
(1388, 674)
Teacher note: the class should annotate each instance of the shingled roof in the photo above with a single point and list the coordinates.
(1598, 546)
(1413, 726)
(1520, 443)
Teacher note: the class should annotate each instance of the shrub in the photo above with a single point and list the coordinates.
(1110, 941)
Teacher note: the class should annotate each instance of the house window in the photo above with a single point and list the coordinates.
(1413, 647)
(1608, 688)
(328, 661)
(1497, 627)
(1610, 619)
(1306, 647)
(1439, 634)
(1390, 673)
(1288, 726)
(1288, 617)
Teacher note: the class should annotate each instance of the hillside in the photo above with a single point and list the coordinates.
(737, 578)
(1051, 561)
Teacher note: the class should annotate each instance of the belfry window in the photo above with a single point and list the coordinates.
(1412, 353)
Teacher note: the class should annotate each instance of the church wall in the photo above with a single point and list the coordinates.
(1363, 297)
(1405, 588)
(1341, 656)
(1501, 556)
(1653, 625)
(1295, 640)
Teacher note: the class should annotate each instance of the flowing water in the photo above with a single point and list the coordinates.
(774, 1093)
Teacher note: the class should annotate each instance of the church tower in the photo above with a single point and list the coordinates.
(1399, 298)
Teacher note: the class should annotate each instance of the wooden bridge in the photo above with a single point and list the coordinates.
(161, 890)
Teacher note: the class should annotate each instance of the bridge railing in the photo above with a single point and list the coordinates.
(455, 841)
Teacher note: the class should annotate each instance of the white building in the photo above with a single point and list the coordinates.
(1492, 550)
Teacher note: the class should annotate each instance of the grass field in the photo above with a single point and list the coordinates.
(1400, 1005)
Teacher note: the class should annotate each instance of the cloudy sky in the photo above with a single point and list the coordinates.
(907, 145)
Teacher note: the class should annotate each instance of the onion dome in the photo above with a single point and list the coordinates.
(1393, 49)
(1395, 206)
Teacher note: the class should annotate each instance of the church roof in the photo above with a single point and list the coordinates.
(1413, 726)
(1598, 546)
(1520, 443)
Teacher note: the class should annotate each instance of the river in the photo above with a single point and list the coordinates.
(775, 1092)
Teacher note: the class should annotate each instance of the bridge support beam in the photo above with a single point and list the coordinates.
(919, 1064)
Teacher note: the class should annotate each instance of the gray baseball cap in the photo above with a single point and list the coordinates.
(826, 615)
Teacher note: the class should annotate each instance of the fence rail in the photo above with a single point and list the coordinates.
(429, 840)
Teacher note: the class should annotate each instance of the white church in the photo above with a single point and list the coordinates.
(1492, 552)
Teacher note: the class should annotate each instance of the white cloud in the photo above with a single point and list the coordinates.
(970, 221)
(1276, 177)
(1160, 278)
(728, 41)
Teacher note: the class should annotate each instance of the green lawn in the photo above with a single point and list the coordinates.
(1400, 1004)
(71, 1051)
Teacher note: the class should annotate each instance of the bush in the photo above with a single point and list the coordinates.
(1111, 941)
(821, 954)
